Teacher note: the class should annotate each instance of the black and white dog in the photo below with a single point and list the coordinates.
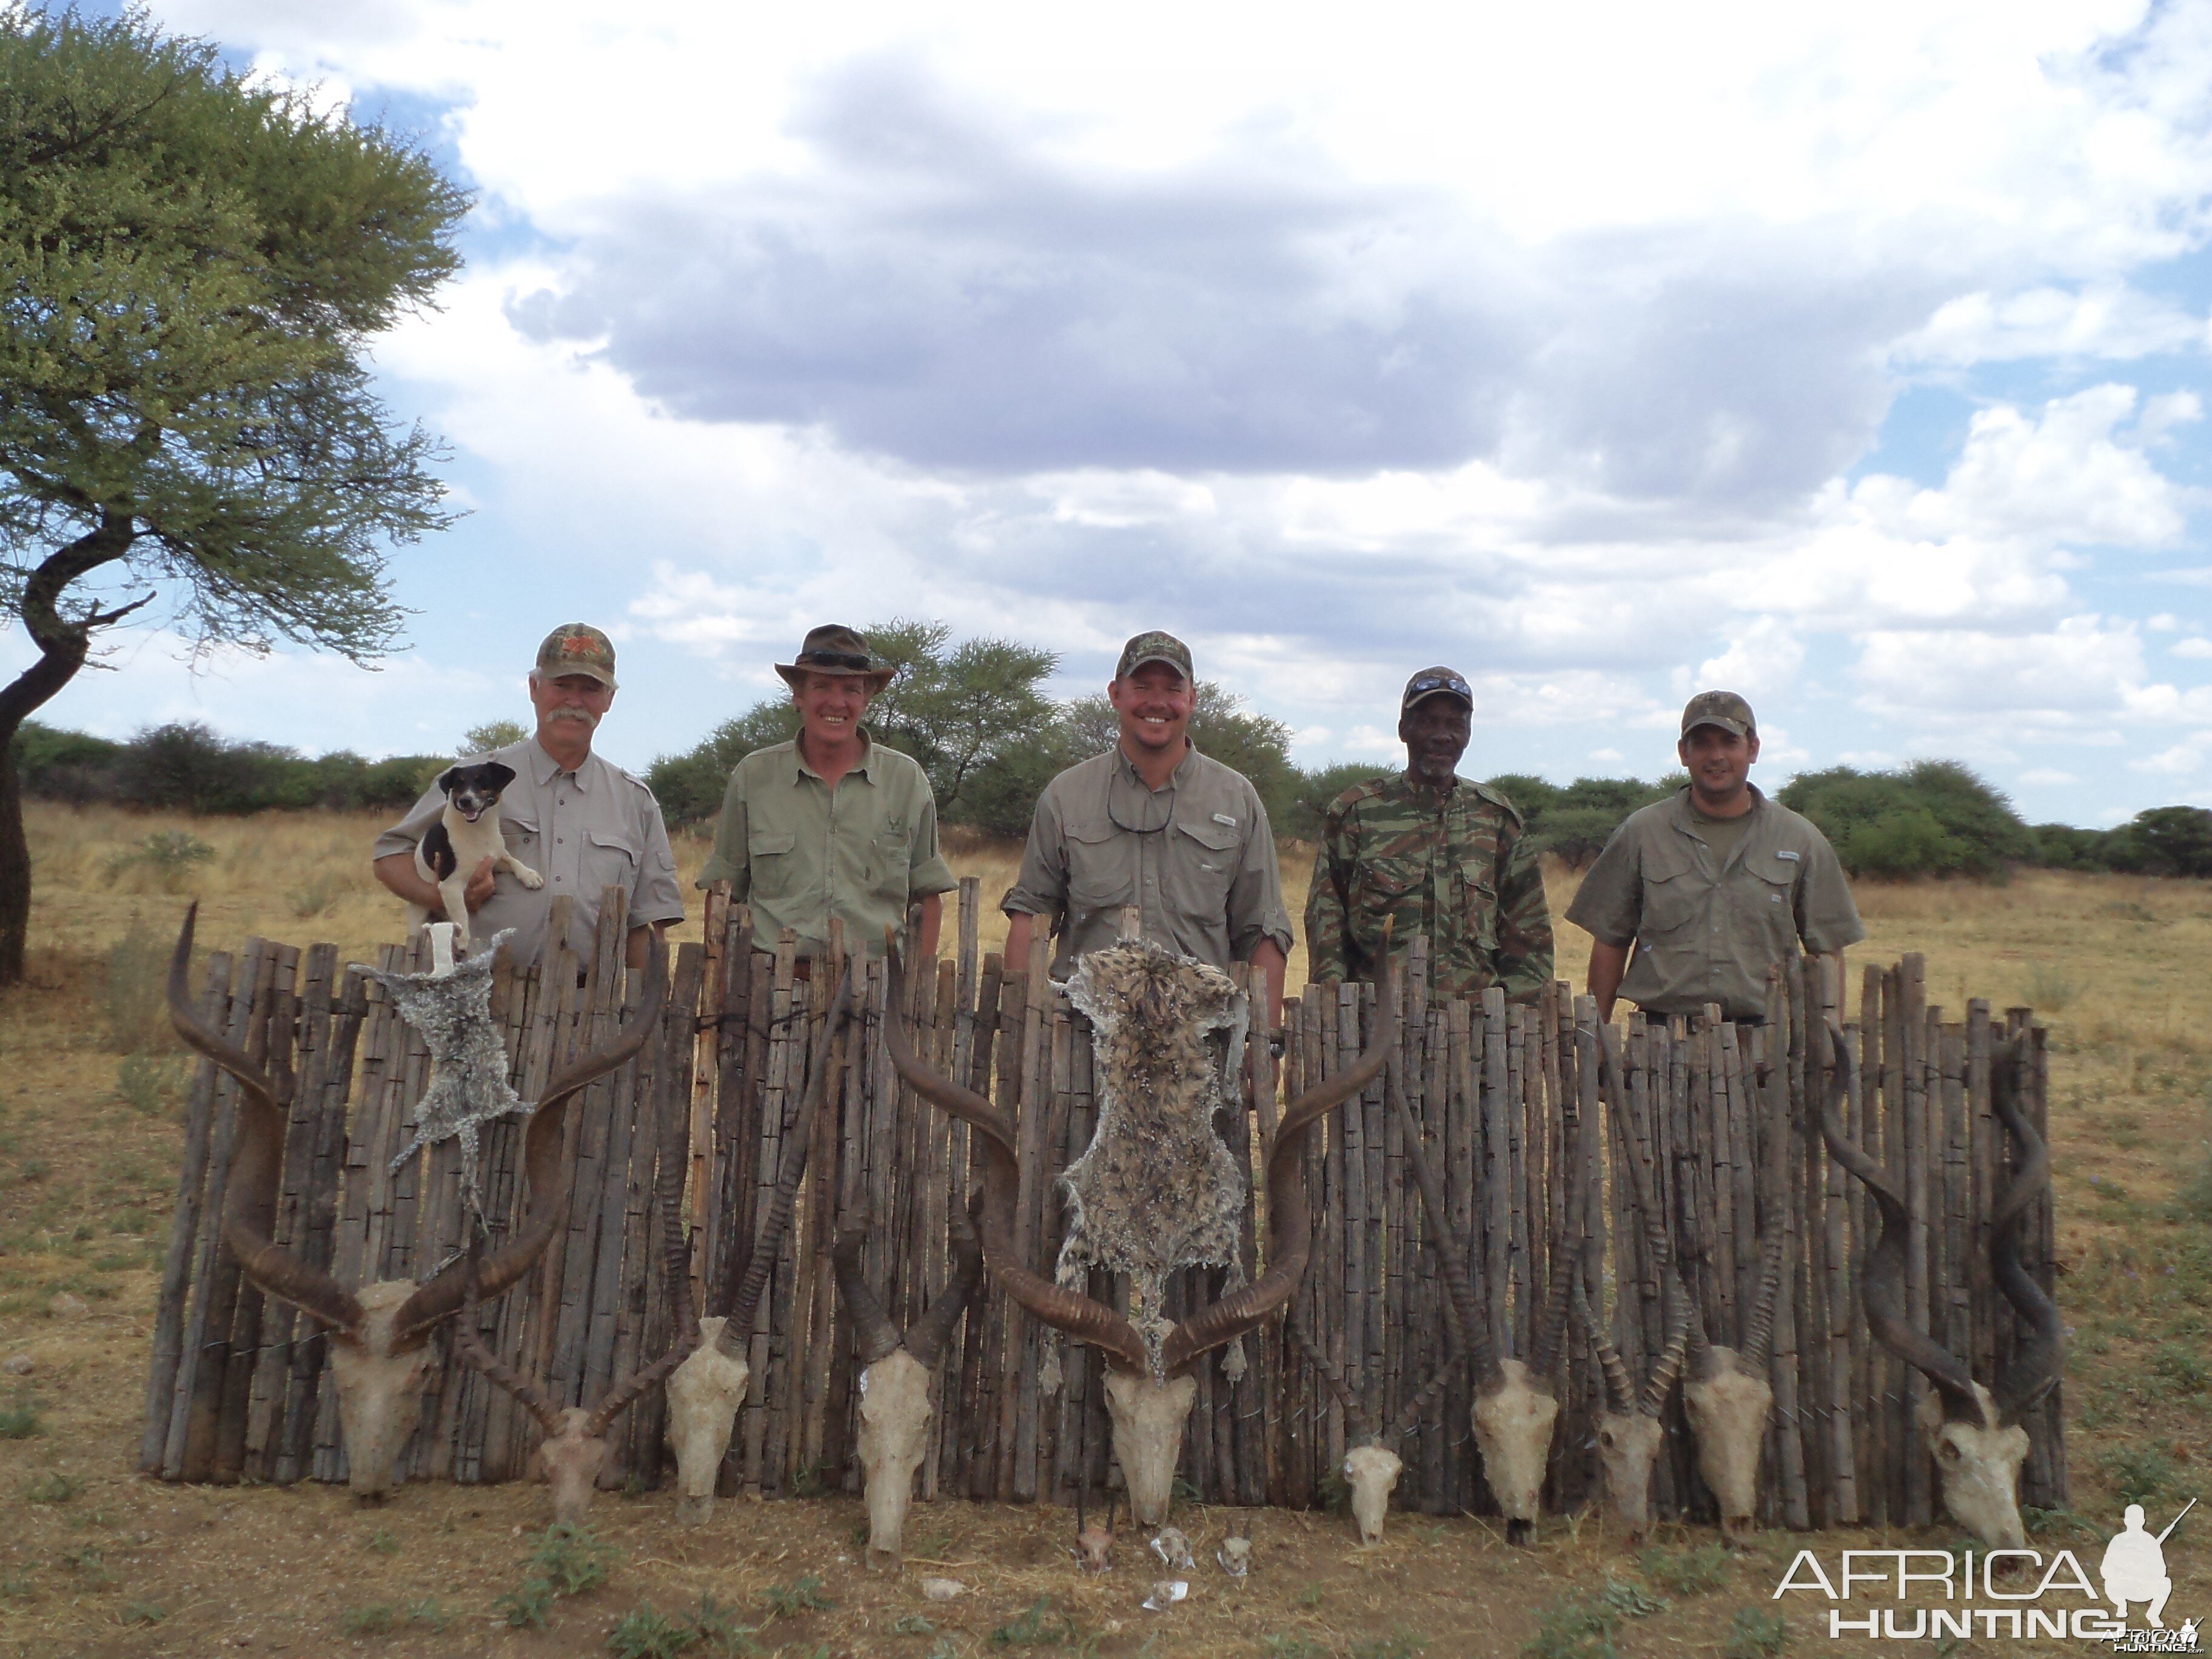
(465, 833)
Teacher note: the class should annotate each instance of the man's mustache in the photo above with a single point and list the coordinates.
(583, 714)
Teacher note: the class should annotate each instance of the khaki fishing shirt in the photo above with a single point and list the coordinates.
(800, 853)
(1707, 931)
(583, 831)
(1454, 865)
(1195, 856)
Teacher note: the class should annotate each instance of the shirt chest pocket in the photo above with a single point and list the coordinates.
(890, 857)
(1674, 891)
(1477, 902)
(520, 836)
(609, 860)
(1387, 887)
(1101, 867)
(1770, 893)
(1200, 861)
(772, 862)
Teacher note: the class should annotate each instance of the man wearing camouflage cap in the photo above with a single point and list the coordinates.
(1713, 886)
(1439, 855)
(582, 823)
(1152, 822)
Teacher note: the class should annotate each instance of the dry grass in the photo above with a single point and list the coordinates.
(88, 1145)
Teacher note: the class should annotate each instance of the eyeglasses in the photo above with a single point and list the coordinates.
(835, 660)
(1428, 683)
(1134, 807)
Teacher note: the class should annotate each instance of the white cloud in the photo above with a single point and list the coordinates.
(2046, 777)
(1607, 757)
(2183, 760)
(1761, 660)
(2108, 321)
(2196, 647)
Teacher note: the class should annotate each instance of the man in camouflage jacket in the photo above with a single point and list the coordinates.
(1447, 857)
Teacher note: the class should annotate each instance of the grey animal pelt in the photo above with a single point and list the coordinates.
(1156, 1190)
(468, 1085)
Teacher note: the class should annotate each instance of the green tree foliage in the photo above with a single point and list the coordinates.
(1933, 817)
(189, 769)
(1574, 822)
(191, 269)
(492, 734)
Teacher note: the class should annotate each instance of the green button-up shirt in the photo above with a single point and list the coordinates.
(1453, 864)
(1706, 930)
(800, 853)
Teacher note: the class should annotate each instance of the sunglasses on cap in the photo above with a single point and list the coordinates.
(835, 660)
(1423, 684)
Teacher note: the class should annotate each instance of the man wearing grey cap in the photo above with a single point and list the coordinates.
(1713, 886)
(581, 822)
(1152, 822)
(1436, 854)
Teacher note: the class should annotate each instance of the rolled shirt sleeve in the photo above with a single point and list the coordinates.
(1256, 895)
(729, 861)
(1828, 916)
(406, 836)
(655, 895)
(1040, 889)
(1609, 904)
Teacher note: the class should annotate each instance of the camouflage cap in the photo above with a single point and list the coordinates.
(834, 648)
(1154, 647)
(1722, 708)
(577, 648)
(1438, 682)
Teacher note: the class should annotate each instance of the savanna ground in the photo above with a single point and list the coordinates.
(95, 1560)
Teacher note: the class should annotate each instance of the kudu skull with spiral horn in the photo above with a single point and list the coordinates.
(1973, 1433)
(705, 1391)
(898, 1374)
(1160, 1087)
(379, 1335)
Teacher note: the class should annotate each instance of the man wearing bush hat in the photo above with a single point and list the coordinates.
(1153, 823)
(1713, 886)
(832, 823)
(1440, 855)
(581, 822)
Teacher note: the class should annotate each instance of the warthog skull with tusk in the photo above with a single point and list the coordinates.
(379, 1335)
(1148, 1194)
(898, 1375)
(1973, 1433)
(705, 1391)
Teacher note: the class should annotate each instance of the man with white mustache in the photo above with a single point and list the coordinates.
(581, 822)
(1154, 823)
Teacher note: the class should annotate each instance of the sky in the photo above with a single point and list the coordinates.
(1854, 358)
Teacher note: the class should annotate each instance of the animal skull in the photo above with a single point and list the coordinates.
(1978, 1464)
(380, 1388)
(1148, 1420)
(1174, 1550)
(1728, 1403)
(704, 1395)
(1372, 1472)
(895, 1413)
(1513, 1427)
(569, 1461)
(1235, 1556)
(1094, 1546)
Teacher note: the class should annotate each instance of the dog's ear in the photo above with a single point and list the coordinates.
(448, 778)
(495, 774)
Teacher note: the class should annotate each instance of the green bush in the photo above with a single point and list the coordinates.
(1932, 818)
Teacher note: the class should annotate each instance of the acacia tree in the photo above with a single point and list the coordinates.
(190, 268)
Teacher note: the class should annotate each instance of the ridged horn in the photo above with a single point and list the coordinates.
(2039, 1360)
(878, 1339)
(926, 1337)
(510, 1381)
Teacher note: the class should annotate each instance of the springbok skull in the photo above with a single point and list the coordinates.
(379, 1335)
(898, 1376)
(1973, 1433)
(576, 1449)
(1515, 1404)
(1372, 1465)
(1094, 1545)
(705, 1391)
(1149, 1385)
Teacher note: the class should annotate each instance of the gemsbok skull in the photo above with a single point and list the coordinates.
(705, 1391)
(576, 1449)
(1515, 1404)
(1148, 1185)
(1973, 1433)
(898, 1376)
(379, 1335)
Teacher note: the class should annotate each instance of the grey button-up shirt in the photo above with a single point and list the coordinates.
(1195, 856)
(584, 832)
(1707, 931)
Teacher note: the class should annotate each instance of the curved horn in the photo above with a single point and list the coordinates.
(1290, 1231)
(878, 1337)
(257, 1164)
(1051, 1303)
(1357, 1428)
(738, 1328)
(1619, 1393)
(2038, 1360)
(1883, 1277)
(546, 1206)
(471, 1347)
(1675, 1293)
(1545, 1352)
(1462, 1306)
(926, 1337)
(1418, 1402)
(1759, 1335)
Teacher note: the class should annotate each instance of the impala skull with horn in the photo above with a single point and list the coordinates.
(379, 1335)
(575, 1449)
(1628, 1429)
(1973, 1433)
(898, 1375)
(705, 1391)
(1157, 1188)
(1515, 1403)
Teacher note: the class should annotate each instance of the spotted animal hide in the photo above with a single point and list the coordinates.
(468, 1087)
(1156, 1190)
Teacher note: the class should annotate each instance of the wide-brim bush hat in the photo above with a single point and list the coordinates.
(834, 648)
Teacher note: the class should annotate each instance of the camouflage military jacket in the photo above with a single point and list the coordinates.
(1456, 867)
